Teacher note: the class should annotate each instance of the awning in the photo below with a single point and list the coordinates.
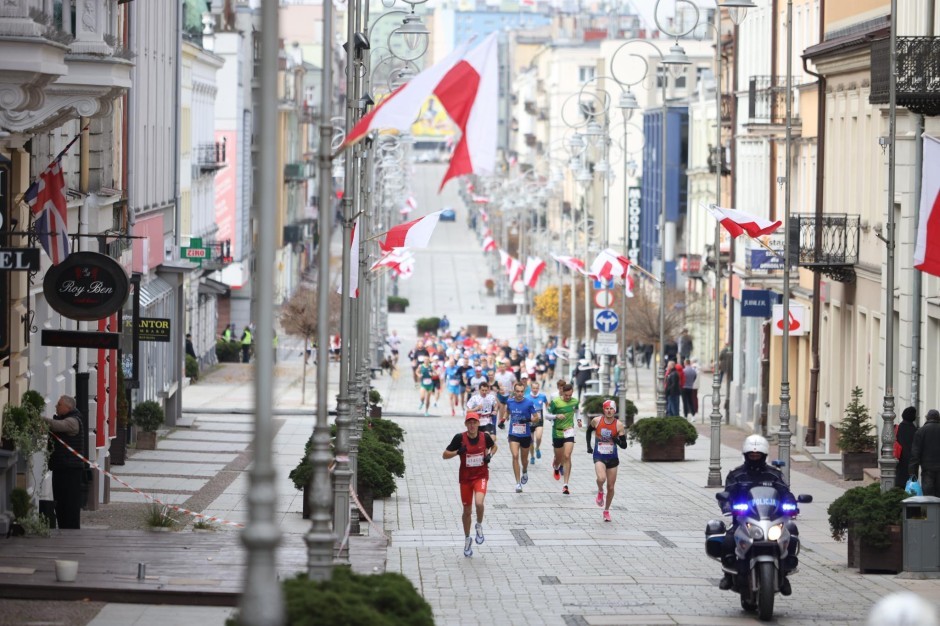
(154, 290)
(212, 287)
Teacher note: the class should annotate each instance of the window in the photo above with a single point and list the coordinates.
(585, 73)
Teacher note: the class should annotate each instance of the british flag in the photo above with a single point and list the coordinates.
(47, 201)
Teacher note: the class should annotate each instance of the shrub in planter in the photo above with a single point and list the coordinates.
(148, 416)
(192, 367)
(228, 351)
(387, 599)
(386, 431)
(490, 285)
(428, 324)
(303, 472)
(867, 512)
(24, 428)
(397, 304)
(660, 430)
(856, 439)
(27, 521)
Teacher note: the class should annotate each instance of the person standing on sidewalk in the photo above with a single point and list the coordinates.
(246, 344)
(690, 374)
(562, 410)
(475, 450)
(925, 454)
(521, 412)
(904, 436)
(610, 434)
(673, 389)
(67, 469)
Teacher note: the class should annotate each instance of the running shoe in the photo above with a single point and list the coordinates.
(435, 404)
(599, 500)
(426, 414)
(479, 529)
(561, 469)
(525, 478)
(518, 487)
(468, 547)
(532, 460)
(557, 473)
(606, 516)
(452, 412)
(565, 490)
(538, 454)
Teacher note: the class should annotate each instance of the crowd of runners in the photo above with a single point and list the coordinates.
(501, 391)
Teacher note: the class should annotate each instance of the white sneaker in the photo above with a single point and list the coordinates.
(479, 529)
(518, 487)
(525, 478)
(468, 547)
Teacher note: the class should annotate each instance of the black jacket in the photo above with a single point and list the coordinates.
(905, 437)
(742, 478)
(673, 388)
(925, 451)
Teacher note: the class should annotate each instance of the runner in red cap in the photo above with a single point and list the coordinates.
(610, 434)
(475, 450)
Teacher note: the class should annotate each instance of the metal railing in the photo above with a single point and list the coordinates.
(767, 100)
(918, 83)
(837, 252)
(209, 155)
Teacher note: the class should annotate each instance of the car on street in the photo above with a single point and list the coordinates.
(448, 215)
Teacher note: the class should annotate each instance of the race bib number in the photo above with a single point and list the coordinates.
(426, 381)
(485, 420)
(569, 432)
(453, 382)
(605, 448)
(474, 460)
(518, 429)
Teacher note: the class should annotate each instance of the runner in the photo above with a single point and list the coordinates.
(562, 410)
(475, 453)
(437, 372)
(521, 412)
(426, 389)
(484, 404)
(539, 400)
(504, 380)
(394, 344)
(609, 432)
(451, 373)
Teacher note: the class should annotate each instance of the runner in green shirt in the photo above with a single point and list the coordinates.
(562, 410)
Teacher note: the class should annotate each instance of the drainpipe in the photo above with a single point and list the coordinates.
(812, 436)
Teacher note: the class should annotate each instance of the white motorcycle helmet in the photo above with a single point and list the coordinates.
(755, 443)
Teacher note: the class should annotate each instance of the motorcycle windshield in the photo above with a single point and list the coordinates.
(763, 502)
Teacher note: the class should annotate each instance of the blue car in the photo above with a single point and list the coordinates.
(448, 215)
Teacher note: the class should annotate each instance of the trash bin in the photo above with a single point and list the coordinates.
(921, 534)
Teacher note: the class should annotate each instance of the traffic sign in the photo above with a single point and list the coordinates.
(606, 349)
(604, 298)
(606, 321)
(604, 284)
(606, 337)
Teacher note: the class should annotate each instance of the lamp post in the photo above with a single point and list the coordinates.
(784, 434)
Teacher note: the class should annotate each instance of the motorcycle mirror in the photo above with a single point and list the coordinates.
(778, 463)
(804, 498)
(721, 496)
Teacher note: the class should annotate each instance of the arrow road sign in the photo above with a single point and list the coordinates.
(606, 321)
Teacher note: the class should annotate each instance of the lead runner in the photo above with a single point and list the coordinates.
(475, 452)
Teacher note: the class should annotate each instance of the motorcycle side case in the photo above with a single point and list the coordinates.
(714, 538)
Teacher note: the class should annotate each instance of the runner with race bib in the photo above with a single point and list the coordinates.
(521, 412)
(562, 410)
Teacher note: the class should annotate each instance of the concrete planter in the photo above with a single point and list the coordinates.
(146, 440)
(854, 464)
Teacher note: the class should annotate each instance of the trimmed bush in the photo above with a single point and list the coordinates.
(228, 351)
(192, 367)
(148, 416)
(868, 512)
(659, 430)
(397, 303)
(428, 324)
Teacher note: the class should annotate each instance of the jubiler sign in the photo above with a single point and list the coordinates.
(86, 286)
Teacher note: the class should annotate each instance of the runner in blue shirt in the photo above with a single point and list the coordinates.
(520, 412)
(452, 380)
(539, 399)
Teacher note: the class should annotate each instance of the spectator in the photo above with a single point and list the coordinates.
(689, 393)
(904, 435)
(673, 389)
(925, 454)
(67, 469)
(685, 345)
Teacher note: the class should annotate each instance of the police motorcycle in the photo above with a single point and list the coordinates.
(765, 542)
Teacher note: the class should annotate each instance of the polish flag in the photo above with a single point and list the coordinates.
(927, 248)
(405, 269)
(409, 206)
(484, 215)
(504, 258)
(414, 234)
(738, 222)
(481, 200)
(608, 265)
(489, 244)
(392, 259)
(628, 284)
(572, 263)
(533, 268)
(470, 95)
(353, 264)
(514, 269)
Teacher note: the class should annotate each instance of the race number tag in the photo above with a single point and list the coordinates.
(474, 460)
(605, 448)
(453, 382)
(569, 432)
(425, 381)
(518, 429)
(485, 420)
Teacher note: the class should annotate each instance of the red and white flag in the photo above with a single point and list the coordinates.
(466, 83)
(470, 95)
(393, 259)
(47, 201)
(927, 248)
(533, 268)
(484, 215)
(504, 258)
(572, 263)
(738, 222)
(514, 268)
(353, 264)
(414, 234)
(409, 206)
(489, 244)
(481, 200)
(608, 265)
(628, 284)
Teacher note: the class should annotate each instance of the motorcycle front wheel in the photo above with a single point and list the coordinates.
(765, 590)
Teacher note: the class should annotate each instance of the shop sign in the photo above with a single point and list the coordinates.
(86, 286)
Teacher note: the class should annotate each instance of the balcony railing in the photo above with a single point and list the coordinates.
(209, 156)
(767, 100)
(727, 108)
(918, 85)
(220, 256)
(837, 252)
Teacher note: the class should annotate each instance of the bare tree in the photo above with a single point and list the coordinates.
(299, 318)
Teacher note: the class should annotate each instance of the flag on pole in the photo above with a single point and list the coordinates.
(393, 259)
(409, 206)
(47, 201)
(484, 215)
(572, 263)
(628, 284)
(927, 248)
(414, 234)
(489, 244)
(533, 268)
(514, 269)
(481, 200)
(504, 258)
(738, 222)
(609, 265)
(354, 263)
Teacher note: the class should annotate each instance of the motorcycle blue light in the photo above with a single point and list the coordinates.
(741, 506)
(789, 508)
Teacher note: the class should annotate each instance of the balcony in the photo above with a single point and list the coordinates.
(220, 254)
(727, 108)
(714, 156)
(55, 67)
(918, 85)
(767, 102)
(296, 173)
(209, 157)
(308, 114)
(837, 252)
